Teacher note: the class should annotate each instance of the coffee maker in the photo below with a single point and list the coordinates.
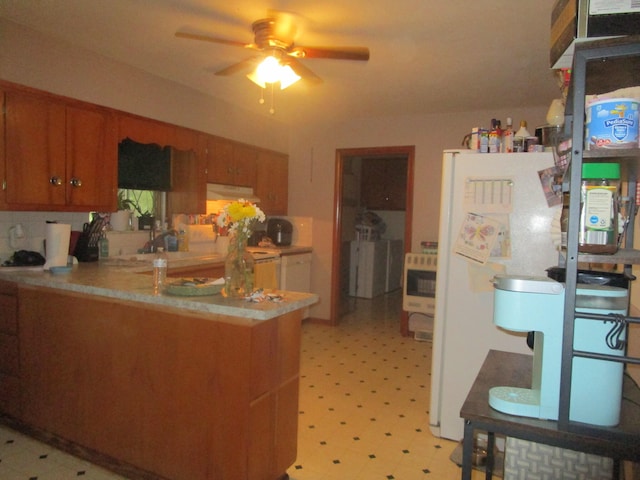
(280, 231)
(526, 303)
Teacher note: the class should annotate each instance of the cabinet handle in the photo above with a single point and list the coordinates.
(229, 170)
(75, 182)
(55, 181)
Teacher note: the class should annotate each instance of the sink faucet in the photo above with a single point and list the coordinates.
(152, 239)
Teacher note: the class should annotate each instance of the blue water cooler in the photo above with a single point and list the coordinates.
(525, 303)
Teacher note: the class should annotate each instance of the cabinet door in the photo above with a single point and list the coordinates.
(188, 190)
(230, 163)
(272, 182)
(219, 161)
(92, 159)
(244, 164)
(3, 169)
(9, 350)
(35, 150)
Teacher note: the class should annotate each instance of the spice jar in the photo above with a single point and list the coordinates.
(598, 208)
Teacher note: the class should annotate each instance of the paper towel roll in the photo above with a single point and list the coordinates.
(57, 246)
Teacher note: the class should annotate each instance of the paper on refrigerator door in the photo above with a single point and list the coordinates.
(477, 237)
(488, 195)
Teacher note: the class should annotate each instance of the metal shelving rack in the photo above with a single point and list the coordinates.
(622, 53)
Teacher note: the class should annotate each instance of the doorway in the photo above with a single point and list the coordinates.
(343, 208)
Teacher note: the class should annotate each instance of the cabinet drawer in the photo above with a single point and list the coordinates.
(9, 358)
(8, 314)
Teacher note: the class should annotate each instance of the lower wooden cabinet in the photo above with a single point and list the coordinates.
(9, 350)
(176, 393)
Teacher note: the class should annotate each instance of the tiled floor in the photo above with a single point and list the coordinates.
(364, 399)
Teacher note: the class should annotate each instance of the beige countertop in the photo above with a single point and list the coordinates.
(124, 278)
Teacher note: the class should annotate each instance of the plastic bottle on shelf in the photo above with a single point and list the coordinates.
(520, 136)
(507, 137)
(495, 136)
(160, 265)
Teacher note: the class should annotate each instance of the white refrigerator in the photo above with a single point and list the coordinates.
(509, 213)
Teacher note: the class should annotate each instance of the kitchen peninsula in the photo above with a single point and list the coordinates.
(151, 386)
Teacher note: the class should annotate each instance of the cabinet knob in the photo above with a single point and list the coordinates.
(55, 181)
(75, 182)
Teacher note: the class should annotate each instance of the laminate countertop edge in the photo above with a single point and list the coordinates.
(133, 284)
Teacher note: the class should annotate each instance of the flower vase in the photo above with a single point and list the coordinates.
(238, 268)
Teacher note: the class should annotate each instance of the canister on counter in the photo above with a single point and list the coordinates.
(599, 208)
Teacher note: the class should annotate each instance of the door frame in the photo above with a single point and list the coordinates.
(407, 151)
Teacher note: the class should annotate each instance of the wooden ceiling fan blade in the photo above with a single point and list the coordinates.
(304, 72)
(245, 64)
(334, 53)
(209, 38)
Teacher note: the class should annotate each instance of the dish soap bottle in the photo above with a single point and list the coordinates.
(160, 264)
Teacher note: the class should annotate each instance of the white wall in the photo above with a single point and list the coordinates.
(312, 169)
(30, 59)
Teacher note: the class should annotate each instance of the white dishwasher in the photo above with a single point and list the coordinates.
(295, 272)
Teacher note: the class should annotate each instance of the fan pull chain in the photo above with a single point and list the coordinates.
(272, 110)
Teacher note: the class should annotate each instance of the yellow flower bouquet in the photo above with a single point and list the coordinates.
(239, 217)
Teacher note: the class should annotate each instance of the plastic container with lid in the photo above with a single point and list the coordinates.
(599, 208)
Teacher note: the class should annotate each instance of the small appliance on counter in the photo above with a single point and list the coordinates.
(280, 231)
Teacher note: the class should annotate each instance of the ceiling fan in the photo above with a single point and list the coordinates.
(274, 37)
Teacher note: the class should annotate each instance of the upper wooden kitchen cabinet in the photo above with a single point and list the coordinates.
(272, 182)
(58, 156)
(230, 163)
(189, 189)
(142, 130)
(383, 184)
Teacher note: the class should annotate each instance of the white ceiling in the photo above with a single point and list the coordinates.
(427, 56)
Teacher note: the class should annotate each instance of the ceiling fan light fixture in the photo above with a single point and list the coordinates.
(271, 71)
(287, 77)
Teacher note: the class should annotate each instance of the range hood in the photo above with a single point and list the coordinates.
(217, 191)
